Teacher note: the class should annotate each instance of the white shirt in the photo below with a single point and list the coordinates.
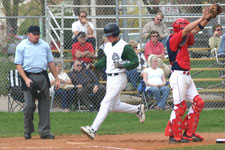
(154, 76)
(62, 76)
(77, 26)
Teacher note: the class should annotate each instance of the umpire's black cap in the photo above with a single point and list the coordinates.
(111, 29)
(34, 29)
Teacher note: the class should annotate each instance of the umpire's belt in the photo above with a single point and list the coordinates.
(39, 73)
(112, 74)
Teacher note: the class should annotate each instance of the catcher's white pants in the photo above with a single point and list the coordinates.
(111, 101)
(183, 88)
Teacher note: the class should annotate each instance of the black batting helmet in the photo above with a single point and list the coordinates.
(111, 29)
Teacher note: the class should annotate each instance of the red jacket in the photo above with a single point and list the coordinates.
(178, 51)
(87, 47)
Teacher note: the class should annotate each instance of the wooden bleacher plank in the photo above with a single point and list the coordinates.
(207, 79)
(142, 50)
(200, 91)
(201, 59)
(65, 51)
(199, 49)
(214, 100)
(207, 69)
(192, 59)
(210, 90)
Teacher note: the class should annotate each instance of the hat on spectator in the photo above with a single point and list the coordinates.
(34, 29)
(81, 34)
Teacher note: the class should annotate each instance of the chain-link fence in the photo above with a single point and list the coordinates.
(56, 18)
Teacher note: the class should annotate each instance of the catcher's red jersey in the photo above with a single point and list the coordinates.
(178, 51)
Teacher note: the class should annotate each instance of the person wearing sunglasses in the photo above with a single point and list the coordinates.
(214, 41)
(83, 25)
(156, 25)
(88, 90)
(154, 47)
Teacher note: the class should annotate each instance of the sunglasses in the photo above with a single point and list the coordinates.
(154, 36)
(83, 16)
(159, 19)
(135, 47)
(219, 29)
(78, 65)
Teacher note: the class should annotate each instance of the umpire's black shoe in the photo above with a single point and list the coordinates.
(48, 136)
(173, 140)
(27, 136)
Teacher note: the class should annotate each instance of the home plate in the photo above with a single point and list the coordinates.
(220, 140)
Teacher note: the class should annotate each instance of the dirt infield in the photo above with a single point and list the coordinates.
(145, 141)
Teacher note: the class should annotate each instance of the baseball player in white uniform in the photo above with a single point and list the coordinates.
(119, 57)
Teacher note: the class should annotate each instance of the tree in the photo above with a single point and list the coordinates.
(11, 9)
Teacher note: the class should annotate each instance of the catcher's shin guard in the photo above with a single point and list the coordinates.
(190, 122)
(174, 128)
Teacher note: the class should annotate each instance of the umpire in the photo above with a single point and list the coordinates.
(32, 57)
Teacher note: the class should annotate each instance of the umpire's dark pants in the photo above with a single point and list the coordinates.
(43, 107)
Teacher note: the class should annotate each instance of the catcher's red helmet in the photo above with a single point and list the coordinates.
(179, 24)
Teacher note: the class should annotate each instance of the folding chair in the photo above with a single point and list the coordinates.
(15, 93)
(146, 98)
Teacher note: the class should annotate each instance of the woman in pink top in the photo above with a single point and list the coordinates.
(154, 47)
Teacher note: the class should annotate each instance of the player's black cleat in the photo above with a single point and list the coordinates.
(195, 137)
(173, 140)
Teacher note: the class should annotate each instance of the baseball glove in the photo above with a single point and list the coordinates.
(214, 10)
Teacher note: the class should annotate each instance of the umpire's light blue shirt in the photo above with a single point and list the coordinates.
(33, 57)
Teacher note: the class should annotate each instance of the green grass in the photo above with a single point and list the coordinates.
(116, 123)
(205, 147)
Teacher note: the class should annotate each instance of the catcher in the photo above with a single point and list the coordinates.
(181, 82)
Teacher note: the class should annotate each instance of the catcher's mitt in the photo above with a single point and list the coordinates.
(214, 10)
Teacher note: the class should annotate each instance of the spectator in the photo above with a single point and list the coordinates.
(221, 51)
(156, 25)
(155, 82)
(214, 41)
(82, 25)
(66, 94)
(154, 47)
(87, 85)
(82, 50)
(101, 54)
(32, 58)
(135, 75)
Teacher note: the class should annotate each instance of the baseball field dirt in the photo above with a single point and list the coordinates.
(144, 141)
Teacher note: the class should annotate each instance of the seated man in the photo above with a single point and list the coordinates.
(82, 25)
(66, 95)
(156, 25)
(87, 85)
(82, 50)
(214, 41)
(221, 51)
(155, 82)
